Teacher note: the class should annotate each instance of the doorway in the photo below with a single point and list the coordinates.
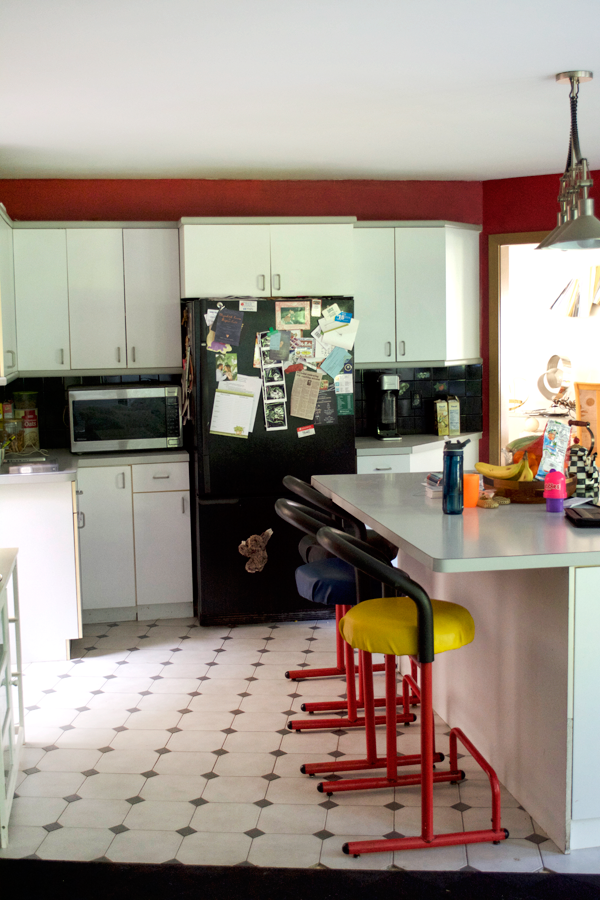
(542, 314)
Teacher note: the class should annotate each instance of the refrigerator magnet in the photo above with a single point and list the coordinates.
(292, 314)
(228, 326)
(305, 430)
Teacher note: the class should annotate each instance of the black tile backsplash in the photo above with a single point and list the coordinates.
(52, 400)
(416, 410)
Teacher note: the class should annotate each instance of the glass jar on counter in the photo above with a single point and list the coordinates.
(13, 431)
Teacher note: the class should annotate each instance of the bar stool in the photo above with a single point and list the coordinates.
(416, 626)
(324, 581)
(343, 520)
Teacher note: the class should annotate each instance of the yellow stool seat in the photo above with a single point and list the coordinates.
(389, 625)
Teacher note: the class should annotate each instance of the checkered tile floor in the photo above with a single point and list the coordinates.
(165, 741)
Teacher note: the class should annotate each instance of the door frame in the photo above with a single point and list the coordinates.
(498, 245)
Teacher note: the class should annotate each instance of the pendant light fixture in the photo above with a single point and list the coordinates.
(578, 228)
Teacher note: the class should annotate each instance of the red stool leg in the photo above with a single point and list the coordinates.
(427, 779)
(339, 668)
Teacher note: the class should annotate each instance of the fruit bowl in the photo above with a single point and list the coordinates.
(525, 491)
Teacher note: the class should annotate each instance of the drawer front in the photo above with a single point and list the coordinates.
(385, 465)
(160, 477)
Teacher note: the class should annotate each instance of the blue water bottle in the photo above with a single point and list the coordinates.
(452, 497)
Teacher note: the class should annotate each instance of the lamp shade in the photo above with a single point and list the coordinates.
(581, 233)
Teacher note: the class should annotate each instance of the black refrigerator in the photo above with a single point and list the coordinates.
(236, 481)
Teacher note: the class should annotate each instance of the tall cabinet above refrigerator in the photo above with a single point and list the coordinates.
(242, 447)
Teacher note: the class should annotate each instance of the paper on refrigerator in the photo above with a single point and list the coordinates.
(247, 384)
(340, 334)
(232, 412)
(305, 392)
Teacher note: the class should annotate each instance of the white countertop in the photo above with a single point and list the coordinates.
(408, 443)
(69, 463)
(519, 536)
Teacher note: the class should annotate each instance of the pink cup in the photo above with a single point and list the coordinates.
(470, 489)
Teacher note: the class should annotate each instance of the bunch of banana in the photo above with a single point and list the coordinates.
(516, 472)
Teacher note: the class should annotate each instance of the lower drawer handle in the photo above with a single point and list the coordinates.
(386, 469)
(158, 477)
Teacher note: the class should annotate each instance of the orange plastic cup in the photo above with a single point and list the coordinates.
(470, 489)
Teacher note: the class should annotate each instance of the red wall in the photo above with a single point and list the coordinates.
(504, 206)
(170, 199)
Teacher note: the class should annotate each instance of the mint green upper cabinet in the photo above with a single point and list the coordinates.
(42, 293)
(8, 334)
(311, 258)
(266, 259)
(96, 298)
(152, 297)
(225, 260)
(437, 294)
(416, 292)
(375, 295)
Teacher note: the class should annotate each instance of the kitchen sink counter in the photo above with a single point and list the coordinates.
(409, 443)
(69, 463)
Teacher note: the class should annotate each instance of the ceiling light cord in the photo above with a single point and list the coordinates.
(577, 228)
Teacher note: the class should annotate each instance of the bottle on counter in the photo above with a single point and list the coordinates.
(555, 491)
(452, 498)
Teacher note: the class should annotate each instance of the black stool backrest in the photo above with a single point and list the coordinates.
(360, 555)
(312, 521)
(343, 519)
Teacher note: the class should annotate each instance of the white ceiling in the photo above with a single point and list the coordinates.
(386, 89)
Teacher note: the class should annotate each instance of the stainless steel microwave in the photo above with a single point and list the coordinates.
(133, 417)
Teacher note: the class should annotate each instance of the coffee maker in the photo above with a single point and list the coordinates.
(387, 408)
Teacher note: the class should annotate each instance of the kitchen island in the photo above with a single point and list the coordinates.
(527, 690)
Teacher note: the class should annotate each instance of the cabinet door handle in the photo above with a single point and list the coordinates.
(261, 282)
(13, 358)
(388, 348)
(133, 354)
(276, 282)
(402, 348)
(62, 356)
(122, 477)
(158, 477)
(183, 505)
(382, 469)
(81, 519)
(118, 354)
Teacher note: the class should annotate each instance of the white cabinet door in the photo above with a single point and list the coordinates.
(375, 295)
(437, 294)
(162, 547)
(225, 259)
(38, 519)
(96, 298)
(8, 354)
(42, 299)
(152, 297)
(420, 294)
(106, 537)
(312, 259)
